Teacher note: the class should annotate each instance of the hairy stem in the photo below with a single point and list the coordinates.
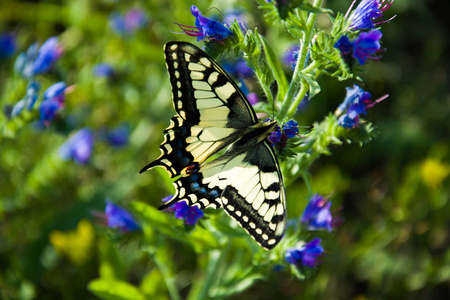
(296, 81)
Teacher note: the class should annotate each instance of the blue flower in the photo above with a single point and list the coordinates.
(305, 254)
(48, 54)
(38, 60)
(117, 217)
(353, 94)
(356, 102)
(205, 27)
(367, 12)
(103, 70)
(25, 61)
(127, 24)
(366, 44)
(118, 137)
(32, 93)
(362, 48)
(190, 214)
(53, 100)
(78, 147)
(290, 57)
(280, 135)
(345, 46)
(7, 45)
(238, 68)
(317, 214)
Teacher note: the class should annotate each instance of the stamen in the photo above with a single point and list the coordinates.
(349, 9)
(377, 101)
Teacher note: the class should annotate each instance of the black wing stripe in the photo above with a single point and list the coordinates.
(187, 64)
(194, 192)
(251, 196)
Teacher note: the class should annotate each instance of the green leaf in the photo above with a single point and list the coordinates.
(238, 286)
(110, 264)
(314, 9)
(314, 87)
(275, 67)
(115, 290)
(167, 224)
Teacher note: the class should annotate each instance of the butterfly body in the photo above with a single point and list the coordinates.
(213, 114)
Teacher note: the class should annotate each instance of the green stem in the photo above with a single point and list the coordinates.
(298, 98)
(253, 60)
(296, 78)
(265, 87)
(215, 259)
(168, 278)
(304, 89)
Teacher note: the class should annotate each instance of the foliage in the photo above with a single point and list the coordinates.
(98, 67)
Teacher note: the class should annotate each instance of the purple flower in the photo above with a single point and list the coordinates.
(252, 98)
(190, 214)
(367, 12)
(117, 217)
(118, 137)
(7, 45)
(205, 27)
(103, 70)
(32, 93)
(53, 101)
(78, 147)
(48, 54)
(305, 254)
(362, 48)
(356, 102)
(238, 68)
(135, 19)
(290, 57)
(239, 16)
(317, 214)
(127, 24)
(366, 44)
(280, 136)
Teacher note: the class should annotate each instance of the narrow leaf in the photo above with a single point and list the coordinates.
(275, 67)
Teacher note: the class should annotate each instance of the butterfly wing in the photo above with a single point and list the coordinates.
(211, 110)
(256, 196)
(248, 184)
(212, 113)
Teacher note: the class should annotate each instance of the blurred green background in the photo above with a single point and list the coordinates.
(392, 193)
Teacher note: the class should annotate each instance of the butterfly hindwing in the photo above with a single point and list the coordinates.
(247, 183)
(256, 198)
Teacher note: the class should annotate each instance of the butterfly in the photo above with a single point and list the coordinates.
(213, 114)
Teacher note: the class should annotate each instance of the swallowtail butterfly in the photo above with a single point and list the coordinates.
(213, 114)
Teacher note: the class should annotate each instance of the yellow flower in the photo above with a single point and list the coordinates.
(77, 244)
(433, 172)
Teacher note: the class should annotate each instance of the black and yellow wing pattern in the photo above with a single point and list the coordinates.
(213, 114)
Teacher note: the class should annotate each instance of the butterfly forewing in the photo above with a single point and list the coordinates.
(211, 109)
